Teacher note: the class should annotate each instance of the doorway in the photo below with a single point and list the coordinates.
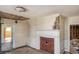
(74, 39)
(6, 41)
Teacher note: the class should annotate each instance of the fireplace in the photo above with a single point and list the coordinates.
(52, 35)
(47, 44)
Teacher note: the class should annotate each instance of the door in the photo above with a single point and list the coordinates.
(6, 41)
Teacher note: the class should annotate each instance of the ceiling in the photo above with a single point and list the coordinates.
(42, 10)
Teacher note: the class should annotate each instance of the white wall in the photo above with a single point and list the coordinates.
(20, 32)
(71, 21)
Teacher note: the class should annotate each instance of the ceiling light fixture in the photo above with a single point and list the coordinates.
(20, 9)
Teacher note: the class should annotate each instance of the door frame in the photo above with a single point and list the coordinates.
(3, 26)
(0, 33)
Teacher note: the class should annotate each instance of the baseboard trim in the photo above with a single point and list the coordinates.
(19, 47)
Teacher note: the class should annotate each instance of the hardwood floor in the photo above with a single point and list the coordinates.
(26, 50)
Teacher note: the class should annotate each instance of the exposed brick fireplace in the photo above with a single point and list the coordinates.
(47, 44)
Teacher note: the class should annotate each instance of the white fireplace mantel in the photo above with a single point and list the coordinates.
(50, 34)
